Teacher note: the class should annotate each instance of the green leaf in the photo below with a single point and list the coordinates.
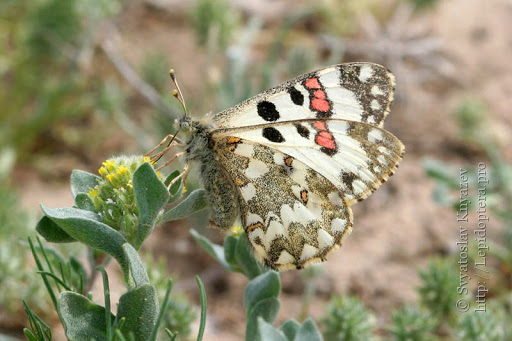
(267, 332)
(214, 250)
(82, 182)
(84, 202)
(139, 308)
(196, 201)
(264, 286)
(290, 328)
(82, 319)
(85, 227)
(251, 268)
(151, 196)
(308, 332)
(51, 232)
(230, 252)
(137, 271)
(267, 310)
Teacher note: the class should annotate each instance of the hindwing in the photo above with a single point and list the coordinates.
(292, 215)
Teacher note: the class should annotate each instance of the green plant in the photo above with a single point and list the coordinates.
(115, 213)
(438, 290)
(15, 228)
(347, 319)
(412, 323)
(261, 293)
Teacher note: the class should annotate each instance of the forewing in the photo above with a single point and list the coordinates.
(292, 215)
(355, 157)
(360, 92)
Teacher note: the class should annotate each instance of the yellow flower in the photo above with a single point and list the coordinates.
(102, 170)
(235, 231)
(110, 165)
(93, 193)
(122, 170)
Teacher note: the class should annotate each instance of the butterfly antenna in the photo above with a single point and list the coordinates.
(177, 92)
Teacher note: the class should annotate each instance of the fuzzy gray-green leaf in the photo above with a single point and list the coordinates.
(308, 332)
(290, 328)
(84, 202)
(267, 285)
(139, 307)
(51, 232)
(82, 319)
(137, 271)
(196, 201)
(82, 181)
(214, 250)
(85, 227)
(151, 196)
(266, 309)
(268, 332)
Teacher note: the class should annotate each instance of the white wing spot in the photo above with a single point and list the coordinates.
(338, 225)
(359, 187)
(303, 215)
(345, 101)
(375, 104)
(308, 252)
(274, 230)
(325, 240)
(259, 250)
(384, 150)
(331, 78)
(335, 199)
(287, 215)
(256, 169)
(376, 91)
(375, 135)
(248, 191)
(253, 218)
(365, 73)
(244, 150)
(382, 160)
(285, 258)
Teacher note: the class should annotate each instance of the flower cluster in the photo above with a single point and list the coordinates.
(113, 196)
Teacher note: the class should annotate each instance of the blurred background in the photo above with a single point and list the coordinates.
(85, 80)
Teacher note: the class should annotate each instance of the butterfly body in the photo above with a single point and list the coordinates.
(290, 162)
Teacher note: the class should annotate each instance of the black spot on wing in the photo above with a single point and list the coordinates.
(348, 179)
(273, 135)
(267, 111)
(303, 131)
(296, 96)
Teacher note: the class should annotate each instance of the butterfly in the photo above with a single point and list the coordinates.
(288, 164)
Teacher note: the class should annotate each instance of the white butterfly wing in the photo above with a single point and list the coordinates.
(355, 157)
(292, 215)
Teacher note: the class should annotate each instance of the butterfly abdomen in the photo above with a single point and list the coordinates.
(221, 191)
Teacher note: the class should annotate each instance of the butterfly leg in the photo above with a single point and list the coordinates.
(183, 175)
(174, 141)
(168, 162)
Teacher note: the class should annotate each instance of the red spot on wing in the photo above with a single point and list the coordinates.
(319, 94)
(312, 83)
(320, 125)
(325, 139)
(320, 104)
